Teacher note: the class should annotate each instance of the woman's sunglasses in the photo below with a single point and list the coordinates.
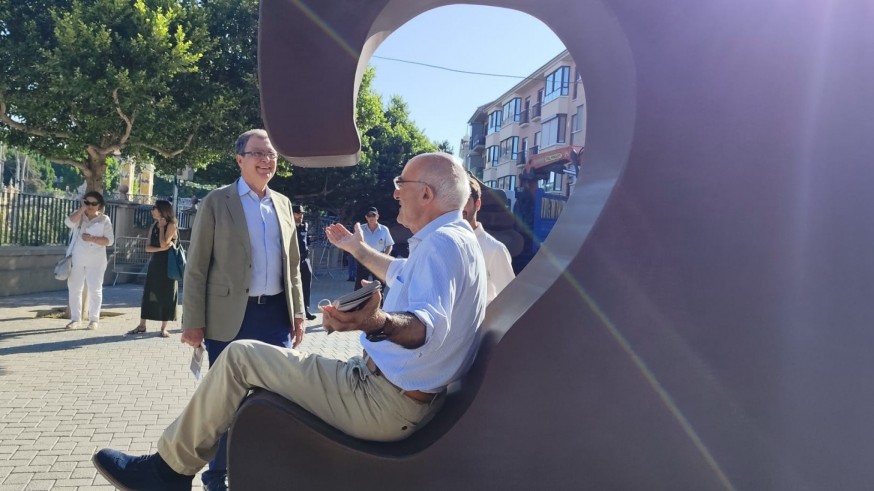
(91, 203)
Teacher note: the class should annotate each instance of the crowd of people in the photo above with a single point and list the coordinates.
(247, 293)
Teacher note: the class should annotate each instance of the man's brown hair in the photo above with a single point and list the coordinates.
(474, 188)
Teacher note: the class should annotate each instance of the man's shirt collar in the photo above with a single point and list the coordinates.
(244, 189)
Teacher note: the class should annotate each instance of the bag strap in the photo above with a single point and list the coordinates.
(73, 237)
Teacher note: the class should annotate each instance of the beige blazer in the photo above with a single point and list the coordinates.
(219, 269)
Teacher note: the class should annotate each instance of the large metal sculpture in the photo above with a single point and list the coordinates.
(701, 317)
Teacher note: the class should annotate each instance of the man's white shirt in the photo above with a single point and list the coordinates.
(499, 265)
(380, 239)
(442, 283)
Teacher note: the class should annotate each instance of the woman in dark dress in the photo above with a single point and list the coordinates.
(160, 292)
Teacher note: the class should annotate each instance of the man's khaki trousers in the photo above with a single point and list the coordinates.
(342, 393)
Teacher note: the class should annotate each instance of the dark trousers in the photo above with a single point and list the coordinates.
(269, 323)
(363, 274)
(306, 277)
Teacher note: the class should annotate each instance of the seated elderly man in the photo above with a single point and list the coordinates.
(424, 338)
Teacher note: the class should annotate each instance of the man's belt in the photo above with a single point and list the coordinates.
(264, 299)
(416, 395)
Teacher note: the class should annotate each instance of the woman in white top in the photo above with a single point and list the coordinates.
(92, 234)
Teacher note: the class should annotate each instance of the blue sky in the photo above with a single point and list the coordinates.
(461, 37)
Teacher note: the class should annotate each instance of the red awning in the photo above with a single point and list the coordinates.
(552, 160)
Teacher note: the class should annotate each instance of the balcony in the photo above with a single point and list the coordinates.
(521, 159)
(532, 150)
(477, 142)
(523, 117)
(535, 111)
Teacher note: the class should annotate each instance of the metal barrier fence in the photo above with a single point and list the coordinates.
(130, 256)
(34, 220)
(143, 217)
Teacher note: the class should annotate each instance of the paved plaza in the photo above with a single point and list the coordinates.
(66, 393)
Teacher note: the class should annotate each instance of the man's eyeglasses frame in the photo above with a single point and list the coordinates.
(398, 180)
(261, 155)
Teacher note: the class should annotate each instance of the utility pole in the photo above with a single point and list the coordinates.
(175, 194)
(2, 163)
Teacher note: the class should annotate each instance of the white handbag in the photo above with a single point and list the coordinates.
(63, 268)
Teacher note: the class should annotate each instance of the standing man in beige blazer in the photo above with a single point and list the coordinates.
(242, 280)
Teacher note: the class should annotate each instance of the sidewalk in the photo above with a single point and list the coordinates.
(65, 394)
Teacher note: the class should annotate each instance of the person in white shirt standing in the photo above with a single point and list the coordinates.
(377, 236)
(499, 264)
(92, 234)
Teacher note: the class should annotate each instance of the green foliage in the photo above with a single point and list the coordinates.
(444, 146)
(388, 139)
(67, 177)
(169, 81)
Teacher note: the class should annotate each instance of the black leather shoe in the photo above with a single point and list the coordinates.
(143, 473)
(310, 316)
(218, 484)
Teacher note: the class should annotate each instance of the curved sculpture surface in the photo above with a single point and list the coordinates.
(701, 316)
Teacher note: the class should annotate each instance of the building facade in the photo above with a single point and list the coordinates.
(546, 112)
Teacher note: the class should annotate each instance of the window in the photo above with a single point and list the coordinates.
(578, 124)
(506, 182)
(578, 80)
(556, 181)
(492, 154)
(578, 119)
(557, 84)
(554, 130)
(494, 121)
(526, 113)
(510, 148)
(524, 151)
(512, 110)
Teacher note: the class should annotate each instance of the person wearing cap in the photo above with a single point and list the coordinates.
(242, 280)
(425, 339)
(499, 264)
(377, 236)
(306, 270)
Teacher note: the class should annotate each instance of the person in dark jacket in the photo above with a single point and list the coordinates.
(306, 270)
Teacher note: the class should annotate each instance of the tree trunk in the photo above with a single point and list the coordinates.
(97, 171)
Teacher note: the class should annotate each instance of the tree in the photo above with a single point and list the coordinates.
(388, 139)
(444, 146)
(82, 80)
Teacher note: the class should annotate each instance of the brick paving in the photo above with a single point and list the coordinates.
(64, 394)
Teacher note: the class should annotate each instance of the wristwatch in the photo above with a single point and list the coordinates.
(376, 336)
(379, 334)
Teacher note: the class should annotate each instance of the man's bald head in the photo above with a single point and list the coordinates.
(444, 173)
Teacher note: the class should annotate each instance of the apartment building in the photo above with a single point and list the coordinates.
(543, 114)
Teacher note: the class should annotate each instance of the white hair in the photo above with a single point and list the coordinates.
(446, 176)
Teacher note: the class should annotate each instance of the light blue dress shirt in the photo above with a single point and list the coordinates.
(442, 283)
(265, 239)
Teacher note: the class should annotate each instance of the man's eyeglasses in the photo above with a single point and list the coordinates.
(261, 155)
(91, 203)
(398, 181)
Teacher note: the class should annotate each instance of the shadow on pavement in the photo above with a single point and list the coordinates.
(63, 345)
